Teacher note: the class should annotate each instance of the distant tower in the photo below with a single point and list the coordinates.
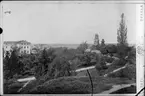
(96, 40)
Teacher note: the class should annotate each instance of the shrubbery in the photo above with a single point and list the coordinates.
(129, 71)
(71, 85)
(11, 84)
(13, 88)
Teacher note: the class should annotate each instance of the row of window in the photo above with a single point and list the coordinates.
(24, 51)
(23, 47)
(24, 43)
(26, 47)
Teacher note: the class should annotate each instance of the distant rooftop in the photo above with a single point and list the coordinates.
(16, 42)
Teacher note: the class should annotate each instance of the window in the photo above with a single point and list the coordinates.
(24, 47)
(27, 47)
(24, 51)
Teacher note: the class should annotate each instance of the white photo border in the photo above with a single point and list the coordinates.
(140, 63)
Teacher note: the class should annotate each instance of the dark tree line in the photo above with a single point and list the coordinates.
(12, 64)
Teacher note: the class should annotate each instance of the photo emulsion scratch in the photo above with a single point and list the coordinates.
(69, 47)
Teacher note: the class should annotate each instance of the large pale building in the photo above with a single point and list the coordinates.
(25, 47)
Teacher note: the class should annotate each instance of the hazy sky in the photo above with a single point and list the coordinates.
(66, 22)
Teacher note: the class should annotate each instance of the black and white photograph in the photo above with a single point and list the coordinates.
(61, 47)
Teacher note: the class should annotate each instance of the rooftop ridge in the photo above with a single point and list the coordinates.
(15, 42)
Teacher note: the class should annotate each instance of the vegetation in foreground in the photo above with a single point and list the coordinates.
(73, 85)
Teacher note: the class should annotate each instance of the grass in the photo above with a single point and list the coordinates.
(128, 72)
(69, 85)
(12, 88)
(32, 84)
(73, 85)
(128, 90)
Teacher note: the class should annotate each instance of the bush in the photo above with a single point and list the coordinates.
(60, 86)
(31, 85)
(12, 86)
(67, 87)
(130, 71)
(119, 62)
(122, 50)
(16, 85)
(127, 72)
(112, 68)
(98, 67)
(103, 61)
(103, 50)
(111, 48)
(109, 59)
(74, 85)
(7, 83)
(71, 85)
(116, 74)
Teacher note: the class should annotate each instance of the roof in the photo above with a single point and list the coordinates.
(16, 42)
(9, 42)
(23, 41)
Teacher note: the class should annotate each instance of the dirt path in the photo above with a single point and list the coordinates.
(118, 69)
(27, 80)
(117, 87)
(86, 68)
(24, 85)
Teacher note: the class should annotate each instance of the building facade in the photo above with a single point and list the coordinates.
(23, 45)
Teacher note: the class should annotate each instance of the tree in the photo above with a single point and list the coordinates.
(60, 67)
(111, 48)
(102, 43)
(103, 47)
(82, 47)
(14, 63)
(45, 59)
(122, 32)
(6, 65)
(86, 59)
(131, 58)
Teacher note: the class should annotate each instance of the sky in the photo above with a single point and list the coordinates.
(66, 23)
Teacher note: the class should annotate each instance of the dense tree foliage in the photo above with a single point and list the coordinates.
(6, 65)
(82, 47)
(102, 43)
(44, 61)
(122, 31)
(12, 63)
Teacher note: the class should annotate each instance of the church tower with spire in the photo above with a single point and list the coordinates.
(96, 40)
